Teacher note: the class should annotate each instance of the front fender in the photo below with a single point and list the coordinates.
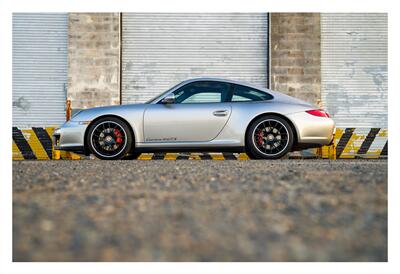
(132, 114)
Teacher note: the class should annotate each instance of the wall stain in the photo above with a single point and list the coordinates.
(22, 103)
(379, 77)
(337, 96)
(351, 65)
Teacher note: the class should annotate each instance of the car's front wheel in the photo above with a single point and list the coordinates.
(109, 138)
(269, 137)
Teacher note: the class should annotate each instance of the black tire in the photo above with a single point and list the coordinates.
(109, 138)
(269, 137)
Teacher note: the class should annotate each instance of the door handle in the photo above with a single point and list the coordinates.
(220, 113)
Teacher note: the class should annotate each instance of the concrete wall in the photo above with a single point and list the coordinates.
(296, 54)
(93, 69)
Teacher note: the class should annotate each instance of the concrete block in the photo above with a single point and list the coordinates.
(295, 54)
(93, 59)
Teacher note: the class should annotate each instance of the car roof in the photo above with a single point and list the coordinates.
(224, 80)
(278, 96)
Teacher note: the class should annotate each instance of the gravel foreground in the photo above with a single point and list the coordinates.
(286, 210)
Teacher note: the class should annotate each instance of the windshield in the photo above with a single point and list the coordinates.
(160, 95)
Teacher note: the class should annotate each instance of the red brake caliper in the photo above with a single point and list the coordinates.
(260, 136)
(118, 135)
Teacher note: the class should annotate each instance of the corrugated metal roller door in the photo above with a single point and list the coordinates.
(39, 68)
(354, 68)
(159, 50)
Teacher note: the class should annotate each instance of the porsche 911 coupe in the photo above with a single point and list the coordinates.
(204, 114)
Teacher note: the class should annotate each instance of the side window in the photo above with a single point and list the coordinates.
(243, 94)
(202, 92)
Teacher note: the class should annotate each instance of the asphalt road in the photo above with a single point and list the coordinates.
(287, 210)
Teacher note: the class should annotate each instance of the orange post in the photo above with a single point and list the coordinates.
(68, 110)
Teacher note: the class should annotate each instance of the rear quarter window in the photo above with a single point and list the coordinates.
(247, 94)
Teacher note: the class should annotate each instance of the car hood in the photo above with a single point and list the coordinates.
(91, 113)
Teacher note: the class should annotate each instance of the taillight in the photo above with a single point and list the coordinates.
(318, 112)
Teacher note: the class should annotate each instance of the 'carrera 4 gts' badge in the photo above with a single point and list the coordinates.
(160, 140)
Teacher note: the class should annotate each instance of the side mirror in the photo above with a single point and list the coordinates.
(169, 99)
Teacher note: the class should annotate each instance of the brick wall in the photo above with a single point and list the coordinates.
(295, 55)
(93, 46)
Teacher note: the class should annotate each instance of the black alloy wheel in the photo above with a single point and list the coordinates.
(109, 138)
(269, 137)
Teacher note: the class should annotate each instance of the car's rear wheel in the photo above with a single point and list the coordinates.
(109, 138)
(269, 137)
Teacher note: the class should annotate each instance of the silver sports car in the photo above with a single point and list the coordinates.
(204, 114)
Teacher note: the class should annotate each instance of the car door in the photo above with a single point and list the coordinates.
(199, 113)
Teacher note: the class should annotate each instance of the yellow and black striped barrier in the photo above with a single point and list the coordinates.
(193, 156)
(350, 143)
(218, 156)
(36, 144)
